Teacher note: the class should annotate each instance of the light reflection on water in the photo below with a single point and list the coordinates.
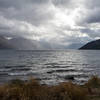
(50, 67)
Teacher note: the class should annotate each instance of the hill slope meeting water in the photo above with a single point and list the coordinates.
(94, 45)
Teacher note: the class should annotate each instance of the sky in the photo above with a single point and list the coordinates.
(61, 22)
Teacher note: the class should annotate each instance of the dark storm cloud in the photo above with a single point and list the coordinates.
(91, 12)
(94, 16)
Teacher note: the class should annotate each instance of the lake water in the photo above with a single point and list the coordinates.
(50, 67)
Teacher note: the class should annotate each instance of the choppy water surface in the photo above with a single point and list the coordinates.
(50, 67)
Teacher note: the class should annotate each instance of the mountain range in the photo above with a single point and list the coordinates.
(94, 45)
(20, 43)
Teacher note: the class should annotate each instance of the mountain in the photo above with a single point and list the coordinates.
(94, 45)
(19, 43)
(4, 43)
(24, 44)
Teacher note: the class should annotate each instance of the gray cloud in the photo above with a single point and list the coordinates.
(61, 21)
(62, 2)
(90, 12)
(94, 16)
(91, 4)
(20, 3)
(31, 10)
(70, 4)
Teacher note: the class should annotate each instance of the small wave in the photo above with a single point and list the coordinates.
(79, 78)
(3, 73)
(58, 66)
(61, 70)
(17, 74)
(51, 64)
(15, 66)
(5, 70)
(20, 69)
(24, 73)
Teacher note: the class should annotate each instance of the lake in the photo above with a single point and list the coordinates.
(49, 66)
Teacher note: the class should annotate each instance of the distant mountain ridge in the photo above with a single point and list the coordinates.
(4, 43)
(24, 44)
(94, 45)
(20, 43)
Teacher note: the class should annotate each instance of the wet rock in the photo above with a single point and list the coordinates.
(70, 78)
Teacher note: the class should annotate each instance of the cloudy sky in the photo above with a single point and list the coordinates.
(62, 22)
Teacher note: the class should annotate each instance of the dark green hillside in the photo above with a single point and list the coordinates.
(94, 45)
